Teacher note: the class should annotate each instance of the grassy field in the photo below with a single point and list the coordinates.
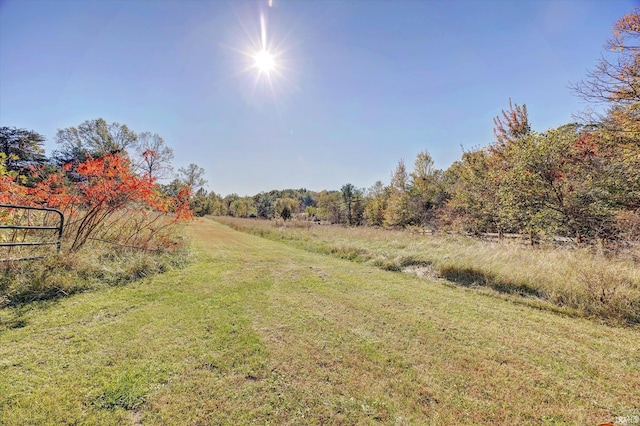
(582, 282)
(260, 332)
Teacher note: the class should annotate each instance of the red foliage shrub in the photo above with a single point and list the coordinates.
(103, 190)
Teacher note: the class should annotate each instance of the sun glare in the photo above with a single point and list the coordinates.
(265, 57)
(265, 62)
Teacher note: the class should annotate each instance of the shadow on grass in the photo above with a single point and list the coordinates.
(16, 307)
(13, 323)
(615, 311)
(470, 277)
(50, 294)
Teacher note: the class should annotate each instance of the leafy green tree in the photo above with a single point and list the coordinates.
(4, 171)
(264, 203)
(94, 138)
(227, 202)
(218, 207)
(473, 204)
(447, 217)
(348, 193)
(511, 132)
(192, 176)
(308, 200)
(520, 196)
(310, 212)
(357, 207)
(22, 148)
(397, 212)
(329, 206)
(243, 207)
(560, 182)
(200, 204)
(285, 207)
(376, 204)
(426, 190)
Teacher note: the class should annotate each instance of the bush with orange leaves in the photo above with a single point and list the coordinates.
(105, 201)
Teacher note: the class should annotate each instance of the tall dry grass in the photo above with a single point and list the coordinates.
(580, 281)
(118, 257)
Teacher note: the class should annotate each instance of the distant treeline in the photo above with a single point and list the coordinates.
(580, 180)
(576, 181)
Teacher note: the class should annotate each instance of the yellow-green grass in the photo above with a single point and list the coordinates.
(95, 265)
(575, 281)
(259, 332)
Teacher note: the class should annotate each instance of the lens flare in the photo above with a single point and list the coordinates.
(266, 56)
(265, 62)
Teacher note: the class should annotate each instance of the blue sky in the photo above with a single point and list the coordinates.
(361, 84)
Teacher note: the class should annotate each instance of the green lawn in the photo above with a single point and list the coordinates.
(255, 331)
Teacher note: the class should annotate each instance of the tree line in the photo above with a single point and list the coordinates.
(103, 178)
(580, 180)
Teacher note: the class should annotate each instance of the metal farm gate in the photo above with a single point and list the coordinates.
(29, 229)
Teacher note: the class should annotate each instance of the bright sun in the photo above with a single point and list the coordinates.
(264, 57)
(264, 61)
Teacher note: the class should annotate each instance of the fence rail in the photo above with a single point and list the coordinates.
(18, 227)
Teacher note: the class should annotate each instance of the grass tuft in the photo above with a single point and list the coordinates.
(127, 391)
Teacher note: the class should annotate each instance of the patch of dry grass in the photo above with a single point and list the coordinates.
(95, 265)
(576, 281)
